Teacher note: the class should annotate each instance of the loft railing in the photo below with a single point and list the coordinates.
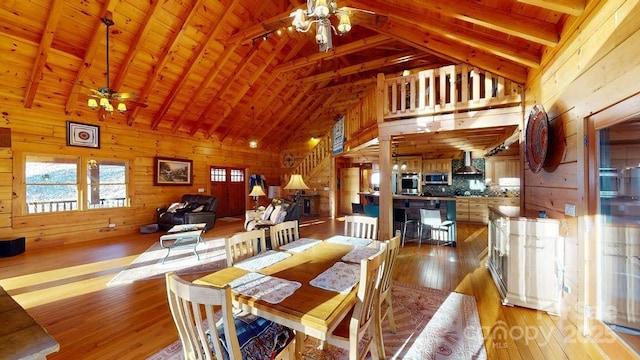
(447, 89)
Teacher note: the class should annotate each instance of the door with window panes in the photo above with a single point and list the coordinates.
(228, 185)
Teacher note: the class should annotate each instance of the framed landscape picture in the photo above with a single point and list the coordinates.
(172, 171)
(84, 135)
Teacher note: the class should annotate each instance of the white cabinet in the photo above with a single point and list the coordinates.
(525, 260)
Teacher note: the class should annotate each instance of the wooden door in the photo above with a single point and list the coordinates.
(350, 186)
(228, 185)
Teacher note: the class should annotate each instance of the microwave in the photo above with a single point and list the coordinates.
(609, 182)
(436, 178)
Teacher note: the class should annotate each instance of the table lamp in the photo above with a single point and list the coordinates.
(296, 183)
(256, 191)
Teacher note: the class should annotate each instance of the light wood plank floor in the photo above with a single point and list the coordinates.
(64, 288)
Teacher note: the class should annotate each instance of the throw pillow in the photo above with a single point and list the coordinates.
(267, 213)
(198, 209)
(280, 218)
(274, 214)
(175, 206)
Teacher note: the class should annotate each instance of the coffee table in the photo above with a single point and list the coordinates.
(182, 235)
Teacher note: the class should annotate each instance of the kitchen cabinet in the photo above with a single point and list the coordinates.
(414, 163)
(310, 205)
(475, 209)
(502, 167)
(525, 259)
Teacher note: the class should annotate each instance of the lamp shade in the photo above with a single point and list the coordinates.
(296, 183)
(257, 191)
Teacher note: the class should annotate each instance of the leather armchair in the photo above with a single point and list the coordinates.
(193, 209)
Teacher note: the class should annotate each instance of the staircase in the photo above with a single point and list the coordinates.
(315, 157)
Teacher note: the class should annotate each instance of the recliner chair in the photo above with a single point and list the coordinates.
(192, 209)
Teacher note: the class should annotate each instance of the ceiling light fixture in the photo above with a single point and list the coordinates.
(253, 143)
(318, 13)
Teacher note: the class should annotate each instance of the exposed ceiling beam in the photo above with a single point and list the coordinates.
(193, 63)
(412, 35)
(352, 47)
(571, 7)
(282, 20)
(162, 61)
(538, 31)
(43, 51)
(367, 66)
(467, 36)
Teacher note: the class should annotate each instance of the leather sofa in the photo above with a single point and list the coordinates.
(192, 209)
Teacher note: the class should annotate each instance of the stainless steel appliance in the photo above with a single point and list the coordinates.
(410, 183)
(609, 182)
(436, 178)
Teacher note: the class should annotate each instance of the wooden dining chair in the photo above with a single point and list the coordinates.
(362, 319)
(283, 233)
(244, 245)
(365, 227)
(393, 248)
(239, 336)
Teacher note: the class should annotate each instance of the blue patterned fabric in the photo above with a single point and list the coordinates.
(258, 337)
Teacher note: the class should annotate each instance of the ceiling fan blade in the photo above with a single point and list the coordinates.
(124, 96)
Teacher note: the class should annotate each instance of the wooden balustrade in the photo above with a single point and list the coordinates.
(447, 89)
(313, 158)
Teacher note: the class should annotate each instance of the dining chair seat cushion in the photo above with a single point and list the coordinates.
(259, 338)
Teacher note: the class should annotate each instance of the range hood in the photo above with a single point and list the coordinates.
(467, 168)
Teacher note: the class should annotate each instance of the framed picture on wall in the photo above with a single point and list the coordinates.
(84, 135)
(172, 171)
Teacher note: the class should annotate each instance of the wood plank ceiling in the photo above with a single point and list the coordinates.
(226, 67)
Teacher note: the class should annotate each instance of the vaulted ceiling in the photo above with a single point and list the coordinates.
(232, 69)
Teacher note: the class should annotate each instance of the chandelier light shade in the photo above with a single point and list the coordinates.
(296, 183)
(319, 12)
(92, 103)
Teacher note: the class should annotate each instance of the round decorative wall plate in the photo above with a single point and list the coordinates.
(287, 160)
(536, 139)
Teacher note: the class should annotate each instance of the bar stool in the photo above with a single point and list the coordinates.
(433, 219)
(401, 215)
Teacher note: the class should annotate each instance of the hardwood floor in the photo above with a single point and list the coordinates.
(64, 289)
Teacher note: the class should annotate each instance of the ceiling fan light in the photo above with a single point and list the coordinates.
(92, 103)
(104, 102)
(321, 9)
(253, 144)
(345, 23)
(403, 166)
(109, 108)
(300, 21)
(122, 107)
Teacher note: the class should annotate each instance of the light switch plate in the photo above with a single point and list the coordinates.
(569, 209)
(200, 190)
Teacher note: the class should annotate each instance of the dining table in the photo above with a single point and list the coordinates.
(307, 308)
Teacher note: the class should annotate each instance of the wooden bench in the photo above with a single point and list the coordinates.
(21, 337)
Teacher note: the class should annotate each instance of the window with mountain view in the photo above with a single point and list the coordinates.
(56, 183)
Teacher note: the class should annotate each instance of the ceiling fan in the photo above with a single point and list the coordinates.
(102, 97)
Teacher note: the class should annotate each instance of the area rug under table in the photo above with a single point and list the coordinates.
(182, 260)
(430, 324)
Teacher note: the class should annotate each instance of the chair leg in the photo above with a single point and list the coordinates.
(392, 321)
(404, 232)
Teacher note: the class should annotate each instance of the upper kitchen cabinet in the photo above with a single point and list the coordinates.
(413, 163)
(437, 166)
(502, 167)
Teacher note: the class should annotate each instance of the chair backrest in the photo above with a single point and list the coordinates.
(244, 245)
(393, 247)
(187, 302)
(368, 302)
(430, 217)
(361, 226)
(283, 233)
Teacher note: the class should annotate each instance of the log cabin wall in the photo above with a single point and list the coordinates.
(597, 66)
(43, 130)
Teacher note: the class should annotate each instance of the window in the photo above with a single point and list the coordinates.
(56, 183)
(51, 184)
(106, 184)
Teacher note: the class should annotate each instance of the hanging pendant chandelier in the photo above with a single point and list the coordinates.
(318, 13)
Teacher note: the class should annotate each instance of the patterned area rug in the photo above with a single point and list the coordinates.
(182, 260)
(431, 324)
